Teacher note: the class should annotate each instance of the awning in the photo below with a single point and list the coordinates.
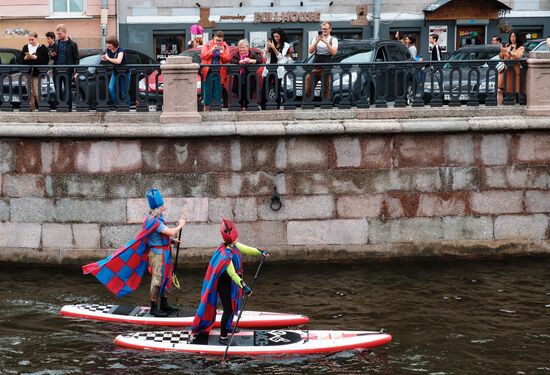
(439, 3)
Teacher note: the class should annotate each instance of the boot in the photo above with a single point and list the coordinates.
(156, 311)
(165, 306)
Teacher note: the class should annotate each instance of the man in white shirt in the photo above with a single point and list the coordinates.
(324, 46)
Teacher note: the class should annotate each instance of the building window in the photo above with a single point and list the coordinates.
(68, 6)
(168, 44)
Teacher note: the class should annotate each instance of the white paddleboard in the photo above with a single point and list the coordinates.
(140, 315)
(264, 342)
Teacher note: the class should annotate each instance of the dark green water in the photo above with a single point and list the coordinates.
(484, 317)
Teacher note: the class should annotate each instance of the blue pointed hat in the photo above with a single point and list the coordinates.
(154, 198)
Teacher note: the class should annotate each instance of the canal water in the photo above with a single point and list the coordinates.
(467, 317)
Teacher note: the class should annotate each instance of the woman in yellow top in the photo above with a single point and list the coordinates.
(513, 51)
(223, 278)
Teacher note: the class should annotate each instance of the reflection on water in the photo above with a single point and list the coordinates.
(490, 317)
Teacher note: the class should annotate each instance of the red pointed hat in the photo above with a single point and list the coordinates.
(228, 231)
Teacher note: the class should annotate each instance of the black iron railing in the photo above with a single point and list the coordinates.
(363, 85)
(257, 87)
(82, 88)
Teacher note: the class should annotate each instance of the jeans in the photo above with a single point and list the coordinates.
(211, 89)
(123, 87)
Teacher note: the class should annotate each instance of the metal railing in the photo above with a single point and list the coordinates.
(257, 87)
(82, 87)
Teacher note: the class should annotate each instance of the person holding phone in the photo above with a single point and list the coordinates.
(513, 51)
(277, 51)
(214, 52)
(324, 46)
(35, 53)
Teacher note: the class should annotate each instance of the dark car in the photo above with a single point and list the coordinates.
(93, 83)
(446, 81)
(8, 58)
(354, 85)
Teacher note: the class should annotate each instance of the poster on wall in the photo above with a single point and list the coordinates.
(258, 39)
(442, 41)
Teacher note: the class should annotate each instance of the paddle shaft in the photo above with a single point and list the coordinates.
(177, 252)
(242, 309)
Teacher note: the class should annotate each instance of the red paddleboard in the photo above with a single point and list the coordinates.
(140, 315)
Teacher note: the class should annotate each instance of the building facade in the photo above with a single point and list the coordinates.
(82, 18)
(158, 28)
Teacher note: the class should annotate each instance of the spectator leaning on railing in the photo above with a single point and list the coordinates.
(513, 51)
(323, 46)
(214, 52)
(277, 51)
(65, 52)
(116, 55)
(245, 57)
(34, 54)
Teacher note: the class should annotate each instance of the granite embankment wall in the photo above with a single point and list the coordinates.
(363, 192)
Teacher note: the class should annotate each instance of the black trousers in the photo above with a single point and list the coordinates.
(224, 291)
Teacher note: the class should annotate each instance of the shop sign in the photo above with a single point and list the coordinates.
(287, 17)
(235, 17)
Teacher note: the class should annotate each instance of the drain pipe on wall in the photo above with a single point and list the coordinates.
(104, 20)
(376, 20)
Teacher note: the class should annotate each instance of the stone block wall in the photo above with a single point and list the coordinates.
(345, 197)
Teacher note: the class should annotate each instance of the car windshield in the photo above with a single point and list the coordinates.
(352, 54)
(90, 60)
(8, 58)
(543, 47)
(195, 55)
(468, 55)
(531, 44)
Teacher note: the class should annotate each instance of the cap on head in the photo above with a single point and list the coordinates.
(154, 198)
(228, 231)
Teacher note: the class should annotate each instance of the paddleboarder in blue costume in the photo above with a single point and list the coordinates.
(224, 279)
(121, 272)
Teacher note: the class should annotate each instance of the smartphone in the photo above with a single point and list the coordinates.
(270, 40)
(319, 33)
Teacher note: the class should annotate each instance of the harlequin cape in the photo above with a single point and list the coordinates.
(206, 312)
(122, 271)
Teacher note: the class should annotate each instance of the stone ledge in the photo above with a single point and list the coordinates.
(268, 129)
(197, 258)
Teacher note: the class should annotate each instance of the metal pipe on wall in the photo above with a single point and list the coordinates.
(376, 20)
(104, 20)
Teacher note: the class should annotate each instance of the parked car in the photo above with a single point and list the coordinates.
(355, 85)
(93, 86)
(531, 44)
(9, 56)
(155, 85)
(462, 61)
(541, 47)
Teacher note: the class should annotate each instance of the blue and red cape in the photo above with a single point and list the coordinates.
(206, 312)
(122, 271)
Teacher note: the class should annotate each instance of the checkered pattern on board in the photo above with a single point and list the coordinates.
(168, 337)
(95, 307)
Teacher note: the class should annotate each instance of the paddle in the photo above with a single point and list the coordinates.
(175, 280)
(242, 309)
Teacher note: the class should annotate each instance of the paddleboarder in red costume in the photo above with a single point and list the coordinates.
(224, 279)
